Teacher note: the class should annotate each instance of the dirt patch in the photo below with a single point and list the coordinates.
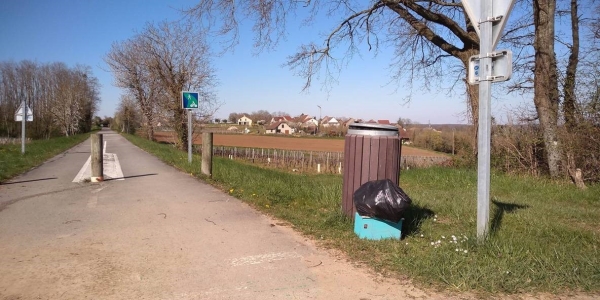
(285, 143)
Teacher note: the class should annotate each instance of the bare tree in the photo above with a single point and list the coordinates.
(178, 57)
(545, 83)
(260, 115)
(131, 72)
(126, 117)
(63, 99)
(427, 36)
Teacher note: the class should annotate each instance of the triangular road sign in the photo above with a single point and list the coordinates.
(19, 114)
(500, 10)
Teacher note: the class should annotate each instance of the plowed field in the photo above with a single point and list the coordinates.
(286, 143)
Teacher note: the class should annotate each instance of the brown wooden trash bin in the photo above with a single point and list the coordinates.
(371, 152)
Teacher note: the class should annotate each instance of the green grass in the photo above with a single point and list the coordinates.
(13, 162)
(544, 236)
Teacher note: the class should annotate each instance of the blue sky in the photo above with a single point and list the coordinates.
(82, 31)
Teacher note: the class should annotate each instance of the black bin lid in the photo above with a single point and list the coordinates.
(372, 129)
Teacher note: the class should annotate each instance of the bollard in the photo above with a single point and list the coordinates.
(207, 147)
(318, 168)
(97, 159)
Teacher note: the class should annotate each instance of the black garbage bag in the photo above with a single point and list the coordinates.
(381, 199)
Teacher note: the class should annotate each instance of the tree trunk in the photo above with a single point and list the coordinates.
(180, 117)
(546, 96)
(472, 100)
(569, 109)
(569, 89)
(150, 125)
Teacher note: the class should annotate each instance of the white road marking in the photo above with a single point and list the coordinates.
(112, 168)
(262, 258)
(85, 167)
(94, 197)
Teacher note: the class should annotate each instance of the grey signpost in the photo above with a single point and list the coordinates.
(489, 18)
(24, 113)
(189, 101)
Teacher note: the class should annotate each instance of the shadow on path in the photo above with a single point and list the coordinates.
(132, 176)
(32, 180)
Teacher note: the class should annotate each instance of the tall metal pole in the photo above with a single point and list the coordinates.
(484, 133)
(23, 127)
(319, 123)
(189, 136)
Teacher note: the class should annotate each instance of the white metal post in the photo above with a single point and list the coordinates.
(189, 136)
(24, 106)
(484, 133)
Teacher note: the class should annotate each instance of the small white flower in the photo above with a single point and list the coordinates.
(466, 251)
(443, 237)
(421, 235)
(456, 250)
(432, 243)
(439, 241)
(407, 243)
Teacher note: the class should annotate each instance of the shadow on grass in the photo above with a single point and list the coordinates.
(414, 216)
(501, 209)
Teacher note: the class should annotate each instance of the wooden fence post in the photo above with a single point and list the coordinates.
(207, 148)
(97, 158)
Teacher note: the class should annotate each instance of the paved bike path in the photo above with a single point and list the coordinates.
(158, 234)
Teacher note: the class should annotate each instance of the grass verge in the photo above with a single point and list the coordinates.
(13, 162)
(544, 236)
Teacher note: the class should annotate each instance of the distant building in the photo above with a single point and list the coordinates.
(282, 118)
(279, 127)
(244, 121)
(330, 121)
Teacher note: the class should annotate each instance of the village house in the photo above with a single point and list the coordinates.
(329, 121)
(279, 127)
(281, 119)
(244, 121)
(306, 121)
(349, 122)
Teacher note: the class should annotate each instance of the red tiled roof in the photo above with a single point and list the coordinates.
(274, 125)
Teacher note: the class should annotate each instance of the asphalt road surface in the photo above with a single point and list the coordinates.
(152, 232)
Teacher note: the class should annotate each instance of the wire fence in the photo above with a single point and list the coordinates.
(312, 161)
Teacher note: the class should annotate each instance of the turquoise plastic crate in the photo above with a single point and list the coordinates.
(376, 229)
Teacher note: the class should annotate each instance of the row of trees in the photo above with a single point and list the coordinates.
(153, 68)
(63, 99)
(434, 38)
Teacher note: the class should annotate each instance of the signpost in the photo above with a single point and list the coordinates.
(489, 18)
(19, 117)
(189, 101)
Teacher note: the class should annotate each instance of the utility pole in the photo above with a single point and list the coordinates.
(319, 122)
(23, 127)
